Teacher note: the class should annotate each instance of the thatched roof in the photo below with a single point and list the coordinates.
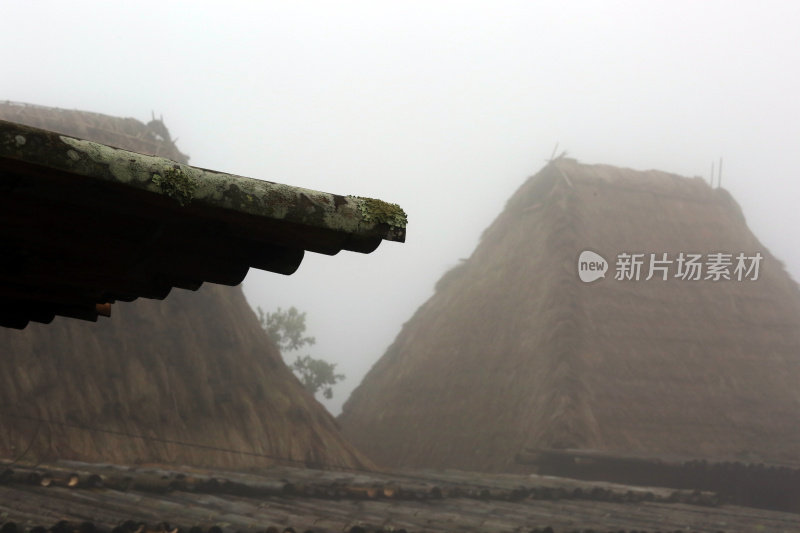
(173, 381)
(513, 352)
(86, 224)
(195, 369)
(129, 133)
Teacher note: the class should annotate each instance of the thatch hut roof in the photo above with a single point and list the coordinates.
(192, 379)
(129, 133)
(514, 352)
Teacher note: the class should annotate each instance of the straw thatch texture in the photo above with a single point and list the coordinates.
(195, 368)
(152, 138)
(513, 351)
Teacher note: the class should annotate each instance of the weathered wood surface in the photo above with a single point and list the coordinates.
(754, 485)
(317, 500)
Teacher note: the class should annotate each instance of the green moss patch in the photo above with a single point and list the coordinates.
(380, 212)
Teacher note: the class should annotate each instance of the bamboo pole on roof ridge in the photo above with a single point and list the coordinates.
(711, 177)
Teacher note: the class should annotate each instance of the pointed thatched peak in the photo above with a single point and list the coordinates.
(514, 351)
(189, 380)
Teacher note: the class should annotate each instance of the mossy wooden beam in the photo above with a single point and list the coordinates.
(192, 186)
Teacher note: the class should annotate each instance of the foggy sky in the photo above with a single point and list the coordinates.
(443, 107)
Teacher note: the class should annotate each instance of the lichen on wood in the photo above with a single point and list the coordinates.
(365, 219)
(380, 212)
(176, 184)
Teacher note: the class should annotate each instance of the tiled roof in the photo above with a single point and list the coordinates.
(84, 224)
(102, 497)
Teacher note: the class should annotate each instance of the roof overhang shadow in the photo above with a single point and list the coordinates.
(86, 224)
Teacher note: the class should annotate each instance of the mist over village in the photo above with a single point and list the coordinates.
(399, 266)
